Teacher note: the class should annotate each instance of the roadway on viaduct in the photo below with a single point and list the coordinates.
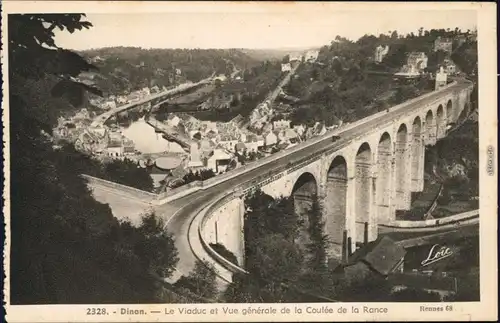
(188, 207)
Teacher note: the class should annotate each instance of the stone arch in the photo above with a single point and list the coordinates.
(440, 122)
(363, 191)
(449, 111)
(402, 169)
(304, 191)
(384, 179)
(335, 204)
(430, 128)
(417, 156)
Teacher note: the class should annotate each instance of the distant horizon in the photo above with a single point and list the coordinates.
(194, 48)
(267, 30)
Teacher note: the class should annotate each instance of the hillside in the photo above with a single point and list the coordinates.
(346, 83)
(230, 99)
(124, 69)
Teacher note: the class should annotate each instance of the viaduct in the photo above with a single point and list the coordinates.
(360, 180)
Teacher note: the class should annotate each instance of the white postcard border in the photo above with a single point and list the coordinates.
(486, 309)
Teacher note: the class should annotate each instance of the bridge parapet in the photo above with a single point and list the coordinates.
(178, 192)
(170, 196)
(431, 223)
(214, 209)
(205, 215)
(133, 192)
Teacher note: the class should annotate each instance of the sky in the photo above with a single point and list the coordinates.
(261, 26)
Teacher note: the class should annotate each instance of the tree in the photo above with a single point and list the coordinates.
(317, 248)
(243, 289)
(261, 219)
(275, 259)
(396, 57)
(65, 246)
(35, 55)
(126, 172)
(156, 248)
(201, 280)
(404, 93)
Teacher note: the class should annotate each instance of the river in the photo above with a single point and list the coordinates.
(147, 141)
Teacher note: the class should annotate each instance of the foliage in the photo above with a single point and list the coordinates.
(466, 57)
(34, 55)
(125, 69)
(345, 87)
(201, 280)
(200, 175)
(317, 248)
(405, 93)
(124, 171)
(460, 148)
(65, 246)
(275, 258)
(261, 217)
(156, 248)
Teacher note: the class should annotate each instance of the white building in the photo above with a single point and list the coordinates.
(381, 52)
(312, 55)
(219, 160)
(281, 124)
(295, 57)
(221, 78)
(299, 129)
(287, 135)
(114, 150)
(287, 67)
(441, 78)
(108, 104)
(270, 139)
(210, 126)
(450, 67)
(228, 142)
(121, 99)
(194, 156)
(418, 60)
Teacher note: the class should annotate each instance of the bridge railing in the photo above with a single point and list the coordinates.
(208, 212)
(434, 222)
(283, 153)
(123, 188)
(236, 172)
(206, 215)
(195, 186)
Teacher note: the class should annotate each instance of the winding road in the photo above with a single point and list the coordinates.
(189, 206)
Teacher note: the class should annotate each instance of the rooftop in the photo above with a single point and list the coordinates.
(381, 255)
